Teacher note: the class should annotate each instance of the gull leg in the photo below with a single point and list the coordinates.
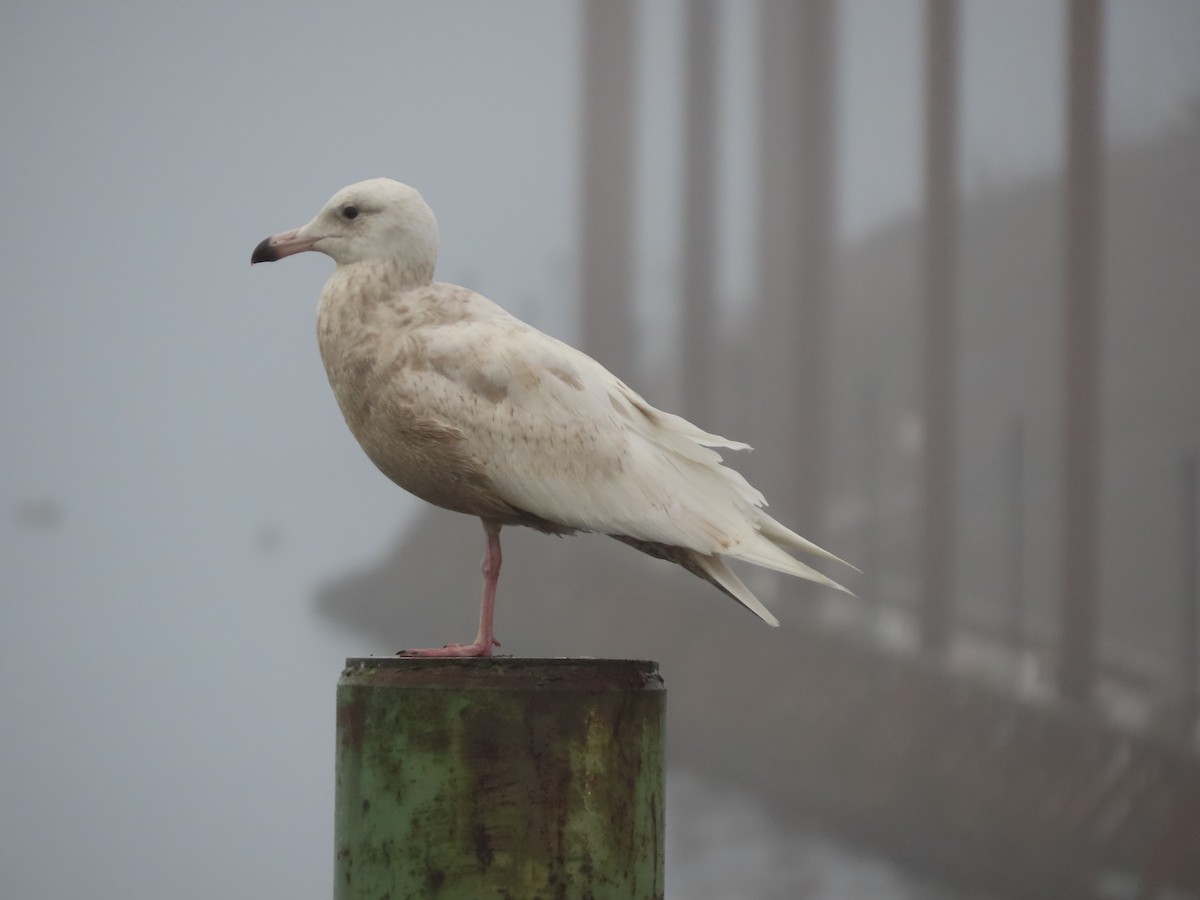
(492, 558)
(485, 640)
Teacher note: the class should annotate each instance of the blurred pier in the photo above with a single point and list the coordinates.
(967, 779)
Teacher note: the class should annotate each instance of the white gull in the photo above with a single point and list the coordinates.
(473, 410)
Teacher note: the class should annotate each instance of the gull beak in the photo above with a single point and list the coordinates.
(277, 246)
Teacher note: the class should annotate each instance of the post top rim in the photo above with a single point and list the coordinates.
(502, 671)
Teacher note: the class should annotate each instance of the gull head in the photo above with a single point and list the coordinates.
(376, 221)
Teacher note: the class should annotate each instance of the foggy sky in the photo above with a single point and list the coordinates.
(176, 477)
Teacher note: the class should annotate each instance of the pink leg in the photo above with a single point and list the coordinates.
(486, 638)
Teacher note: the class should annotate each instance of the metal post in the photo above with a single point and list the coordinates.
(499, 778)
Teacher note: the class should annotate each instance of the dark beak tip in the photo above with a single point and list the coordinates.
(264, 252)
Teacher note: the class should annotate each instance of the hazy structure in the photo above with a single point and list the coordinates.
(939, 323)
(795, 251)
(1189, 631)
(607, 226)
(699, 209)
(1079, 625)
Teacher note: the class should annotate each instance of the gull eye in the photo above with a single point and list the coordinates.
(350, 212)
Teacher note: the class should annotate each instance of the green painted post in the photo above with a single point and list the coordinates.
(522, 779)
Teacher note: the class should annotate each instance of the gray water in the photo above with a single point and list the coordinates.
(723, 844)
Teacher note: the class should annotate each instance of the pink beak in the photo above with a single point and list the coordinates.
(277, 246)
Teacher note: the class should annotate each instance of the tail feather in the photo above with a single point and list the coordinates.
(715, 570)
(712, 567)
(778, 533)
(763, 552)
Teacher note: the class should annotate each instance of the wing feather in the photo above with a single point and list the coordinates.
(564, 439)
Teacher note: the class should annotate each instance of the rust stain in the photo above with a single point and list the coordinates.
(483, 848)
(351, 723)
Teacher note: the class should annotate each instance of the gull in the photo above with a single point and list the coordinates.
(475, 411)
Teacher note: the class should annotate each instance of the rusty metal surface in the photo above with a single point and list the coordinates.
(500, 778)
(504, 673)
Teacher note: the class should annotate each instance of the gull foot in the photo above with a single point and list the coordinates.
(452, 651)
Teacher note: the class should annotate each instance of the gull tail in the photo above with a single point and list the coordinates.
(760, 549)
(763, 553)
(779, 534)
(714, 569)
(765, 550)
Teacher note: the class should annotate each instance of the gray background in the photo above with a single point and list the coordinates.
(176, 480)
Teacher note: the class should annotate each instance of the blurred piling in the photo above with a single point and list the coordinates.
(1079, 609)
(1189, 618)
(490, 778)
(940, 326)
